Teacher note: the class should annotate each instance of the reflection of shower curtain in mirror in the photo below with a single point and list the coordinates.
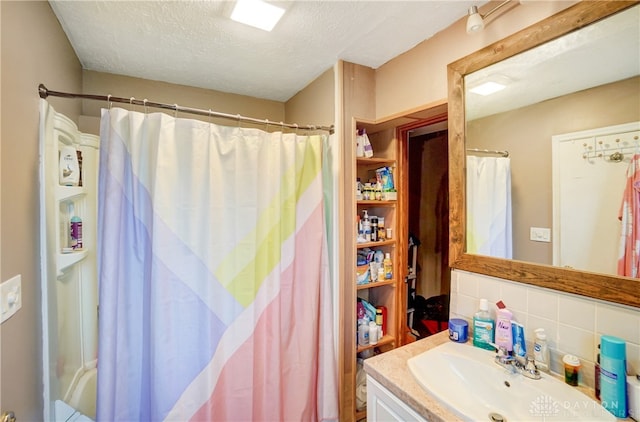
(629, 251)
(489, 206)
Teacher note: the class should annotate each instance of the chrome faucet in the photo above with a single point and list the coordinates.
(524, 365)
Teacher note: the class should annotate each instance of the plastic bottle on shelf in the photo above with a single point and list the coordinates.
(388, 266)
(374, 229)
(366, 226)
(75, 229)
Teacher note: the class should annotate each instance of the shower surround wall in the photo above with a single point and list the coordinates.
(573, 323)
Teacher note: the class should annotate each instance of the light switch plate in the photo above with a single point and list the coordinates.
(540, 234)
(10, 297)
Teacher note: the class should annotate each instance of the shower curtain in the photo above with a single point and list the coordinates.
(215, 298)
(489, 206)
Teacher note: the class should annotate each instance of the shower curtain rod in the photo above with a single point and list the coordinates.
(504, 153)
(44, 93)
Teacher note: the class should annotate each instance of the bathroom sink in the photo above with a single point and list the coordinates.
(468, 382)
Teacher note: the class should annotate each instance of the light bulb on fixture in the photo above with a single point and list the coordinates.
(475, 21)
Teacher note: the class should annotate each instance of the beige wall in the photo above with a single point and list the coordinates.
(315, 104)
(34, 50)
(100, 83)
(526, 133)
(419, 76)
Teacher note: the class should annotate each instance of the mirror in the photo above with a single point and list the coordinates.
(571, 84)
(566, 24)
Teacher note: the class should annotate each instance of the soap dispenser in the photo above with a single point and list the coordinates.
(541, 350)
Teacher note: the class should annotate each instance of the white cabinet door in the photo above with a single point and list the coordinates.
(382, 405)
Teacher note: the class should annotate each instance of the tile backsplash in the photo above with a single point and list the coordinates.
(573, 323)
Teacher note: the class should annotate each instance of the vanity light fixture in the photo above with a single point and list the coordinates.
(257, 13)
(475, 21)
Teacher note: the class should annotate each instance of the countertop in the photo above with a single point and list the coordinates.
(390, 369)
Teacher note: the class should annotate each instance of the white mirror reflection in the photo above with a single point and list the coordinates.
(548, 152)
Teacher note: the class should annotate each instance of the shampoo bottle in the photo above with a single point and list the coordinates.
(483, 327)
(75, 232)
(541, 350)
(613, 376)
(504, 335)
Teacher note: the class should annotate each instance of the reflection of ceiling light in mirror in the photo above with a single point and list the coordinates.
(257, 13)
(488, 88)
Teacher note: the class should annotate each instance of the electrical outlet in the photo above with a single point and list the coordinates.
(540, 234)
(10, 297)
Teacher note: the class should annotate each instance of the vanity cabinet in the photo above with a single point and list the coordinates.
(383, 405)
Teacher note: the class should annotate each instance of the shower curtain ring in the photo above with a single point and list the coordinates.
(266, 125)
(296, 128)
(239, 118)
(175, 111)
(210, 116)
(144, 103)
(109, 103)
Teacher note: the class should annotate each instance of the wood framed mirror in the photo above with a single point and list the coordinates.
(621, 290)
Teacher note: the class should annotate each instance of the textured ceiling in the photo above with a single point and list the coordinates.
(195, 43)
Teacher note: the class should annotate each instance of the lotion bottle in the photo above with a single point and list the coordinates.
(483, 327)
(613, 376)
(541, 350)
(504, 334)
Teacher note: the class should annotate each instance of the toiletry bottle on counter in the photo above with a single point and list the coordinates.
(596, 374)
(541, 350)
(483, 327)
(613, 375)
(504, 335)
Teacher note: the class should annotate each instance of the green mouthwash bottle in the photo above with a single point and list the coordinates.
(483, 327)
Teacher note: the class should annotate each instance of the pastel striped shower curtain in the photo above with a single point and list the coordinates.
(215, 298)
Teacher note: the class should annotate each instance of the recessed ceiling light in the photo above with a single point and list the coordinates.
(257, 13)
(488, 88)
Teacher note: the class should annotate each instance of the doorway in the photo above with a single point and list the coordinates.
(429, 275)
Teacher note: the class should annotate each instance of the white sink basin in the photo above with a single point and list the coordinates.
(467, 381)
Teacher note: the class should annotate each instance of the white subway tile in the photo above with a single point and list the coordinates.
(577, 312)
(576, 341)
(633, 359)
(468, 284)
(618, 321)
(467, 306)
(543, 303)
(489, 288)
(514, 296)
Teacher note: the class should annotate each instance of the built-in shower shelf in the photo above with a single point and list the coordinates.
(66, 260)
(64, 193)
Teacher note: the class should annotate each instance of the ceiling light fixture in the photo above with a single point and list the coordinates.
(488, 88)
(257, 13)
(475, 21)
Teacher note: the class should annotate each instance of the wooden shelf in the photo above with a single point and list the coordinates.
(386, 339)
(374, 160)
(373, 202)
(375, 244)
(375, 284)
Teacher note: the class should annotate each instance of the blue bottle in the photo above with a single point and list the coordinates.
(613, 375)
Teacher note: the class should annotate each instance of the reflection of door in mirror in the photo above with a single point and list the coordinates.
(589, 179)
